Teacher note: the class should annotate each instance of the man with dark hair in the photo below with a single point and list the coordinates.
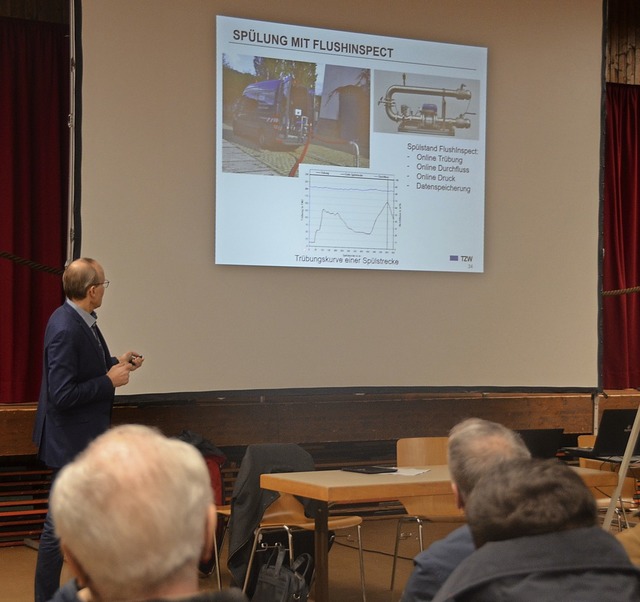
(535, 525)
(474, 446)
(79, 378)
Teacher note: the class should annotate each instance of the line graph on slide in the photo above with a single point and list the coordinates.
(351, 211)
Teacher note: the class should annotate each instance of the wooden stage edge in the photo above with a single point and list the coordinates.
(240, 419)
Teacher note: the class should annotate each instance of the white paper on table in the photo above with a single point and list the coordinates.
(410, 472)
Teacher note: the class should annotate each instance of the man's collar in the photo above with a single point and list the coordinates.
(89, 318)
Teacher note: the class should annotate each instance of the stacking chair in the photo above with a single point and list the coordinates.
(255, 511)
(224, 514)
(603, 495)
(287, 513)
(423, 451)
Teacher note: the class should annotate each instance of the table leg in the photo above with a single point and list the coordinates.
(322, 553)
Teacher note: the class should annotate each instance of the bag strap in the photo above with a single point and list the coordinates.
(299, 561)
(280, 559)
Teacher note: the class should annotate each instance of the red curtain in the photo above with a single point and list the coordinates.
(621, 230)
(34, 149)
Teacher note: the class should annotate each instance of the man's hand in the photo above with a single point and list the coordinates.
(119, 374)
(132, 357)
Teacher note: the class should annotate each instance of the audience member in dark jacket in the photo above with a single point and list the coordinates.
(474, 446)
(535, 526)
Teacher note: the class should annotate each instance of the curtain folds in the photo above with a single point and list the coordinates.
(621, 232)
(34, 150)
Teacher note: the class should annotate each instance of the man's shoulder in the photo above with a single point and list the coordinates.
(63, 313)
(630, 540)
(550, 556)
(436, 563)
(225, 595)
(63, 318)
(458, 544)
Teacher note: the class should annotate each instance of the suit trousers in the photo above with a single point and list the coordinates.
(50, 560)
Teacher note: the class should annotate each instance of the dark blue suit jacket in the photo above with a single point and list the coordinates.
(433, 566)
(76, 395)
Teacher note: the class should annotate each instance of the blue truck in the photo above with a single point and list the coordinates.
(275, 113)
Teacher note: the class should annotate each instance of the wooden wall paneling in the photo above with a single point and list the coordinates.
(16, 424)
(627, 45)
(618, 400)
(622, 53)
(384, 419)
(636, 43)
(222, 423)
(50, 11)
(335, 418)
(611, 46)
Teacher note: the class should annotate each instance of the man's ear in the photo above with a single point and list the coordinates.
(75, 566)
(210, 529)
(457, 496)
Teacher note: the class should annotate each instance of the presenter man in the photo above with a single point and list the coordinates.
(79, 378)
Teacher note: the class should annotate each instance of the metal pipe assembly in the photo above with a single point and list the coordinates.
(426, 120)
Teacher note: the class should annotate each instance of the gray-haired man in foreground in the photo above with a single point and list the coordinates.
(135, 515)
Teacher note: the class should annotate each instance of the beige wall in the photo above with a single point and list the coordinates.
(148, 211)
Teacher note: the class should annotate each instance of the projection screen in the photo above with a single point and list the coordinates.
(522, 315)
(340, 150)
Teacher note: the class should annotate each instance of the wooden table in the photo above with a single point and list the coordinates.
(341, 487)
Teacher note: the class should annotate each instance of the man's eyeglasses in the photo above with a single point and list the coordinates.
(105, 284)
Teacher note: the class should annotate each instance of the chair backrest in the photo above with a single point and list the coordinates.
(588, 441)
(286, 510)
(249, 502)
(426, 451)
(421, 451)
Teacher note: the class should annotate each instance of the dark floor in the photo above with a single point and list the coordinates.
(17, 564)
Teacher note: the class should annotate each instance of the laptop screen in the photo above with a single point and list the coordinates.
(613, 433)
(542, 443)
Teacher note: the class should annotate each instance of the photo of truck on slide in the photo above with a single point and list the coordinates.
(275, 113)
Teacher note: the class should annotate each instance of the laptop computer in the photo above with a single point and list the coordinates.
(613, 435)
(542, 443)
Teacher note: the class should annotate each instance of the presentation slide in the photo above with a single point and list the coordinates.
(346, 150)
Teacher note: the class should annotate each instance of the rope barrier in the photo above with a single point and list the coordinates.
(31, 264)
(59, 271)
(622, 291)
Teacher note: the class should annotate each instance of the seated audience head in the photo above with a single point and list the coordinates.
(521, 498)
(476, 445)
(135, 514)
